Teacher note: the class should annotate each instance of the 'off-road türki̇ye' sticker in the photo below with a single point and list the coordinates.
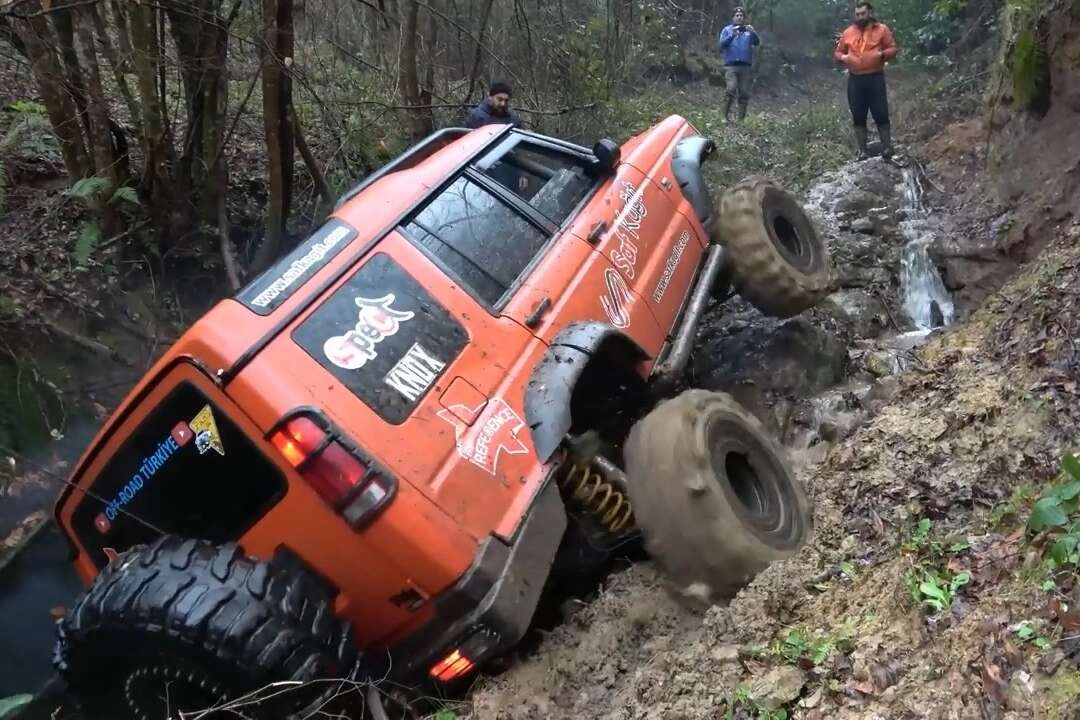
(184, 467)
(201, 427)
(384, 337)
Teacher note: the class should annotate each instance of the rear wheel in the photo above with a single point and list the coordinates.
(184, 626)
(776, 258)
(712, 494)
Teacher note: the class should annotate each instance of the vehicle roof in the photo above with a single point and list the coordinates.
(231, 333)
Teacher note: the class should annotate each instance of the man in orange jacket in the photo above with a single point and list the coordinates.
(864, 48)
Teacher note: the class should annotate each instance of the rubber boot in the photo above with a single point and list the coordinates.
(884, 132)
(742, 108)
(860, 138)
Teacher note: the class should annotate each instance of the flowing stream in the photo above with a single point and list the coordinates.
(926, 301)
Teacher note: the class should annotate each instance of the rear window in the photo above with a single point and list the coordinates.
(384, 337)
(187, 470)
(478, 238)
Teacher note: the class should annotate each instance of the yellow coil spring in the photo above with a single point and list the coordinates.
(599, 497)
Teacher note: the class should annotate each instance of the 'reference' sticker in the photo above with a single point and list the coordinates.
(499, 429)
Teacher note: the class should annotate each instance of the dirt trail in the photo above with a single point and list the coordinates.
(928, 489)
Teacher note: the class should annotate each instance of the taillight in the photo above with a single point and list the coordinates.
(335, 472)
(462, 659)
(453, 666)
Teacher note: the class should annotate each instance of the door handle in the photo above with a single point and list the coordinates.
(596, 232)
(533, 318)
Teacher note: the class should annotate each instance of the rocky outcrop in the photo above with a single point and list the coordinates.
(814, 378)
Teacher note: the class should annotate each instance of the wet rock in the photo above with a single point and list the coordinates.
(796, 357)
(725, 654)
(1020, 691)
(779, 686)
(881, 363)
(1051, 661)
(881, 394)
(863, 225)
(862, 309)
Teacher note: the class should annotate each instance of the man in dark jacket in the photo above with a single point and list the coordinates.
(495, 109)
(738, 41)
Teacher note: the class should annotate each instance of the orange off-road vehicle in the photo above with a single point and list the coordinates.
(366, 466)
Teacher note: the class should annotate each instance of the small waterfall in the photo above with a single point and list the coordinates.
(926, 301)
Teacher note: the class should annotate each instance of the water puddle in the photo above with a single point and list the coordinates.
(926, 300)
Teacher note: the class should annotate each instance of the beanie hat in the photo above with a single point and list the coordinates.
(499, 87)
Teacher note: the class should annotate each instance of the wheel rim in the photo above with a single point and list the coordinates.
(161, 691)
(789, 232)
(754, 479)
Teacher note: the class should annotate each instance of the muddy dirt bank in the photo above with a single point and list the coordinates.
(925, 496)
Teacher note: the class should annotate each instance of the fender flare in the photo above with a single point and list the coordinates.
(551, 385)
(686, 160)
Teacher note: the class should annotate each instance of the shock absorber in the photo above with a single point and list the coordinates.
(586, 485)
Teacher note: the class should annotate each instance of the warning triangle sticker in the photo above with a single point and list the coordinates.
(206, 432)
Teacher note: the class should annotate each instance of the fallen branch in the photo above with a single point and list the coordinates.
(459, 106)
(86, 343)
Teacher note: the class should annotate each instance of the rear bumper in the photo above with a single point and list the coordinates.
(492, 605)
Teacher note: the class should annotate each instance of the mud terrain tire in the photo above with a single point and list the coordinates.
(213, 623)
(712, 494)
(776, 258)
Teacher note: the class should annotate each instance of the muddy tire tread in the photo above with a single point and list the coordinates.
(759, 272)
(694, 536)
(268, 623)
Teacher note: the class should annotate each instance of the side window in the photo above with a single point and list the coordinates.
(480, 239)
(552, 182)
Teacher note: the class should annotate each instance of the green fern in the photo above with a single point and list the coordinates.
(88, 187)
(89, 237)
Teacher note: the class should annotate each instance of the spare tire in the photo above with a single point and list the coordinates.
(775, 256)
(712, 494)
(212, 625)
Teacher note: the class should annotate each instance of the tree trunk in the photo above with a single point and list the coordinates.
(98, 114)
(123, 36)
(277, 98)
(73, 80)
(116, 64)
(417, 120)
(36, 35)
(156, 182)
(478, 49)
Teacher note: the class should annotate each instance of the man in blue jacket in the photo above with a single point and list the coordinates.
(738, 41)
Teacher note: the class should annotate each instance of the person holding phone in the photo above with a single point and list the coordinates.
(737, 41)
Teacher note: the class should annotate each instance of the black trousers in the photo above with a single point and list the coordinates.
(867, 93)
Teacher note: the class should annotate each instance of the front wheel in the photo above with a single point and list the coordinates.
(185, 626)
(712, 494)
(776, 258)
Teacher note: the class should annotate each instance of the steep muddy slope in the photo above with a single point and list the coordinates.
(837, 632)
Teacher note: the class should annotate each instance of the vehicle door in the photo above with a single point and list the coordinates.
(550, 186)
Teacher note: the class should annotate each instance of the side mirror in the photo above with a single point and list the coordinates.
(607, 154)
